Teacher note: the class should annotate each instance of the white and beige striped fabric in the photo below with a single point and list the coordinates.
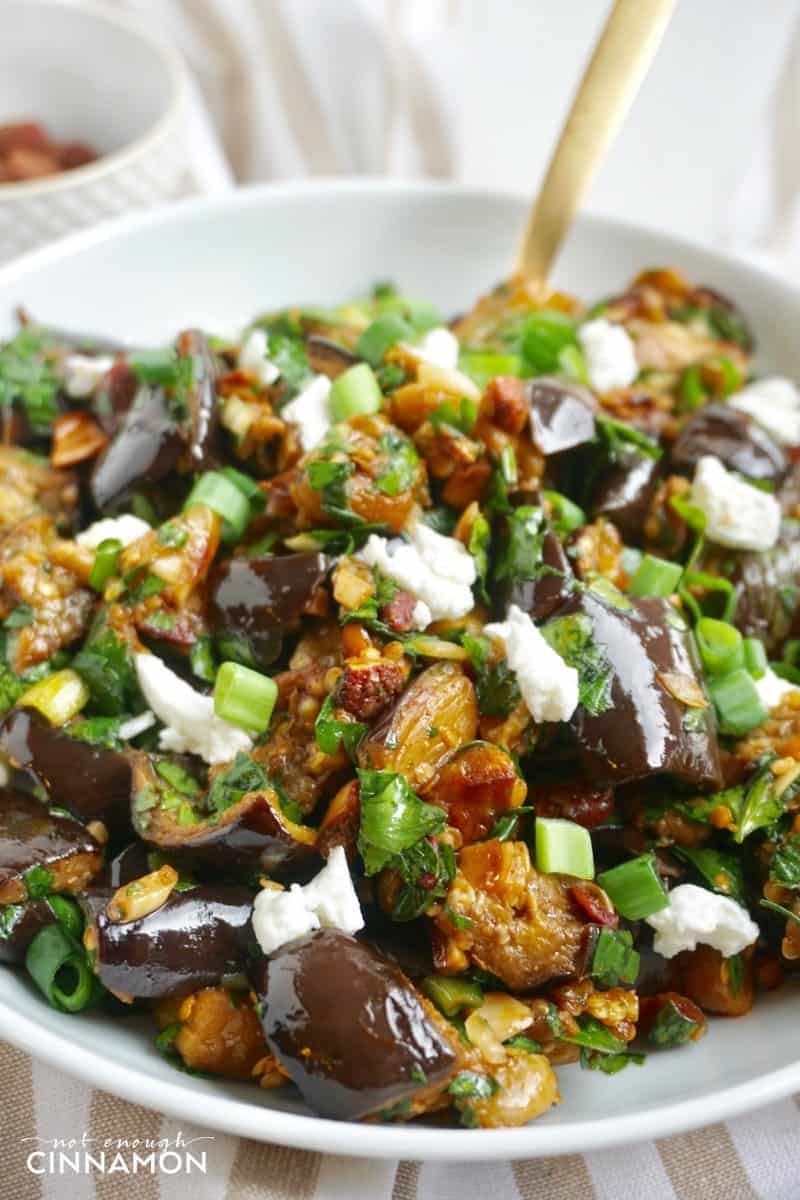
(754, 1157)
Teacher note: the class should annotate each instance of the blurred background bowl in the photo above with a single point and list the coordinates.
(89, 75)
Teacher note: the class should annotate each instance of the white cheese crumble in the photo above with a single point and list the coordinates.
(438, 570)
(694, 915)
(126, 529)
(310, 412)
(738, 515)
(136, 725)
(190, 723)
(439, 347)
(549, 687)
(82, 373)
(610, 354)
(253, 358)
(775, 405)
(329, 901)
(772, 689)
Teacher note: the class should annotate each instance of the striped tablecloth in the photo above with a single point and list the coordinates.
(756, 1156)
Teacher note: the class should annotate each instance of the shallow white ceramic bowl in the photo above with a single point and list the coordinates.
(89, 75)
(216, 263)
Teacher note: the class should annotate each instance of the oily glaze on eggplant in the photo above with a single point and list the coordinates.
(736, 440)
(348, 1027)
(31, 837)
(540, 597)
(252, 835)
(768, 592)
(145, 449)
(19, 925)
(195, 939)
(624, 489)
(328, 358)
(561, 415)
(93, 782)
(262, 599)
(645, 730)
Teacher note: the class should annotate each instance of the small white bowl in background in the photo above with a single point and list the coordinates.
(92, 76)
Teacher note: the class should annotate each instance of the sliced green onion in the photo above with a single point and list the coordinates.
(615, 961)
(218, 492)
(105, 563)
(450, 995)
(655, 577)
(384, 332)
(57, 964)
(247, 486)
(635, 888)
(691, 391)
(565, 515)
(738, 704)
(720, 646)
(755, 657)
(508, 466)
(709, 583)
(244, 697)
(67, 914)
(155, 366)
(544, 336)
(355, 391)
(564, 847)
(483, 365)
(202, 660)
(59, 697)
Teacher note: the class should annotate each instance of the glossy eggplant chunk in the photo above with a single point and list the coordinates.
(262, 599)
(146, 447)
(328, 358)
(624, 490)
(768, 592)
(94, 783)
(541, 596)
(252, 835)
(645, 730)
(348, 1027)
(131, 863)
(201, 396)
(562, 415)
(734, 438)
(195, 939)
(32, 837)
(19, 925)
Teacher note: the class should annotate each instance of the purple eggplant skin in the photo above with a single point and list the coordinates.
(768, 592)
(263, 598)
(202, 399)
(734, 438)
(195, 939)
(329, 358)
(541, 597)
(32, 836)
(19, 925)
(624, 490)
(348, 1026)
(144, 450)
(643, 730)
(562, 415)
(92, 782)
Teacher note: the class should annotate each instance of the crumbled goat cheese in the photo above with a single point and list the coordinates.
(310, 412)
(775, 405)
(738, 515)
(83, 373)
(772, 689)
(548, 686)
(253, 358)
(329, 901)
(191, 725)
(610, 354)
(136, 725)
(439, 347)
(126, 529)
(694, 915)
(438, 570)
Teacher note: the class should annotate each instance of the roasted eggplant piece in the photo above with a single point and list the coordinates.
(562, 415)
(768, 591)
(201, 396)
(328, 358)
(42, 851)
(144, 450)
(92, 782)
(734, 438)
(197, 938)
(262, 599)
(657, 718)
(553, 583)
(624, 489)
(349, 1029)
(251, 834)
(19, 925)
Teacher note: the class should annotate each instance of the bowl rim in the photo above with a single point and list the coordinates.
(175, 68)
(232, 1115)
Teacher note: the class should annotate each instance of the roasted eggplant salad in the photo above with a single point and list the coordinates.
(403, 710)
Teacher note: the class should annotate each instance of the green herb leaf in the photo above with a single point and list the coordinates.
(722, 872)
(572, 637)
(330, 732)
(38, 882)
(615, 961)
(28, 379)
(393, 818)
(473, 1085)
(785, 865)
(401, 472)
(242, 776)
(495, 683)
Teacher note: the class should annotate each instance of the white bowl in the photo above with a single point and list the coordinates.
(227, 259)
(89, 75)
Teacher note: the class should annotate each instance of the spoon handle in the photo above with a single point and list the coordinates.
(617, 67)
